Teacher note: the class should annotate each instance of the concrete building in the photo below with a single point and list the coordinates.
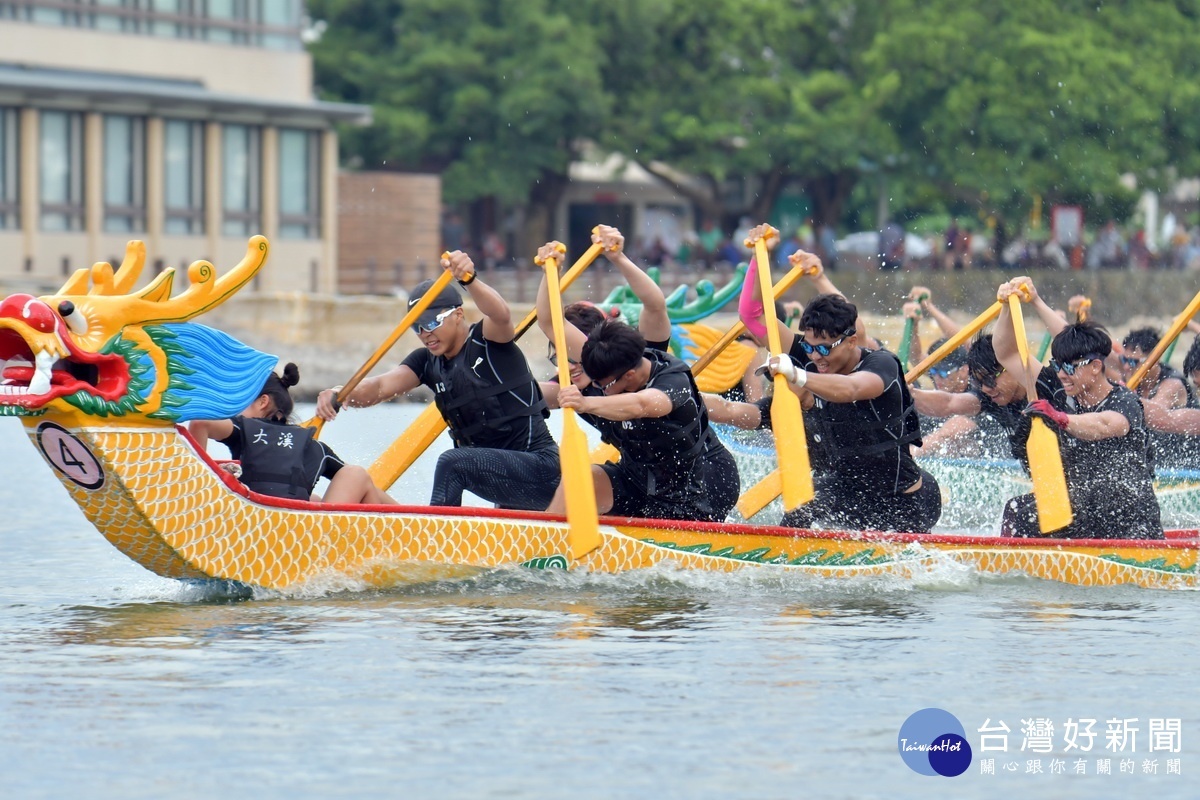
(190, 124)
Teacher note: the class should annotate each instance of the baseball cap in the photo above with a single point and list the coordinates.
(447, 298)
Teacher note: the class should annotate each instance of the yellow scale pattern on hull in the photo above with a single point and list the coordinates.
(163, 507)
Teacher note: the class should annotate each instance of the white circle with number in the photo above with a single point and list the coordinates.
(70, 456)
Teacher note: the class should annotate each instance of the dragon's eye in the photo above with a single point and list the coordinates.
(73, 317)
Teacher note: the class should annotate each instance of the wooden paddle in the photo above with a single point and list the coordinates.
(787, 419)
(583, 535)
(1045, 459)
(1165, 342)
(405, 323)
(429, 425)
(757, 497)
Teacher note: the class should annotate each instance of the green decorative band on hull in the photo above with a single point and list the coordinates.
(547, 562)
(869, 557)
(1154, 564)
(18, 411)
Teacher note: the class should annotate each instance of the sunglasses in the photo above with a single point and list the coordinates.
(1069, 367)
(552, 354)
(824, 349)
(1130, 361)
(433, 324)
(987, 379)
(941, 372)
(604, 387)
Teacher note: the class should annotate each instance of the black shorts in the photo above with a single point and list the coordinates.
(631, 496)
(843, 505)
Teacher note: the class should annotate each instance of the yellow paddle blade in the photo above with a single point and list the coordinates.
(408, 447)
(584, 536)
(605, 452)
(1049, 481)
(760, 495)
(787, 424)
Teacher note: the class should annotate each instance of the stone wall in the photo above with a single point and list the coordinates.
(389, 230)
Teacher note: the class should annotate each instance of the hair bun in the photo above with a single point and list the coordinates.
(291, 375)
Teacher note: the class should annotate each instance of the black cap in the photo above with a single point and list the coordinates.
(447, 298)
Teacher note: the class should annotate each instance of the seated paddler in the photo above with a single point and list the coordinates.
(1100, 429)
(481, 383)
(284, 460)
(721, 479)
(860, 423)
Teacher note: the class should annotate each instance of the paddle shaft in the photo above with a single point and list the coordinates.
(583, 532)
(787, 418)
(407, 321)
(954, 341)
(739, 327)
(1042, 447)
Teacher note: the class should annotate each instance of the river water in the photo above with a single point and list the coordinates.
(115, 683)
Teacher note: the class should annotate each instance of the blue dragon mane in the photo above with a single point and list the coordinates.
(212, 374)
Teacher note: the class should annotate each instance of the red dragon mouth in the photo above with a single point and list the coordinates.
(32, 377)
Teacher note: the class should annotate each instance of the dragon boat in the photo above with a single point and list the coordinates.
(101, 375)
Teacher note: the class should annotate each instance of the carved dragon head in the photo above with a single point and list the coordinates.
(98, 349)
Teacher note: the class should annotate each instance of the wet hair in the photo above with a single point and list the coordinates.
(829, 314)
(1191, 362)
(1079, 340)
(981, 358)
(1144, 339)
(952, 360)
(585, 316)
(612, 350)
(277, 387)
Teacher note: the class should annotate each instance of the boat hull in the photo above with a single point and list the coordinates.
(167, 506)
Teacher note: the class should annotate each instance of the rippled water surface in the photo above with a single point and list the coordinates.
(115, 683)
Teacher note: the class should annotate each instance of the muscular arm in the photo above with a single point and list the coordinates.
(936, 403)
(732, 412)
(845, 388)
(953, 430)
(550, 393)
(647, 403)
(497, 317)
(1179, 420)
(1097, 425)
(575, 337)
(380, 388)
(653, 323)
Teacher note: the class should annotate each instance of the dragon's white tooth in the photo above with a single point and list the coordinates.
(40, 384)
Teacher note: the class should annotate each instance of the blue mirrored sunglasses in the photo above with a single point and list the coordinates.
(433, 324)
(1069, 367)
(941, 372)
(824, 349)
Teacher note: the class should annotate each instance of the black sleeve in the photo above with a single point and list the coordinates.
(331, 463)
(234, 440)
(663, 347)
(417, 361)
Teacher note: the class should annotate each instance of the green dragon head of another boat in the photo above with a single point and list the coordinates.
(98, 350)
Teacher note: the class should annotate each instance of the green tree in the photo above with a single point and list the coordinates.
(495, 95)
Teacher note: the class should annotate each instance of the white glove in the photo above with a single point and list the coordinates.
(783, 365)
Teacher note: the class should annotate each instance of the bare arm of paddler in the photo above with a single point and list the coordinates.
(643, 404)
(748, 416)
(1096, 425)
(1004, 338)
(497, 316)
(1167, 420)
(653, 321)
(831, 387)
(946, 437)
(936, 403)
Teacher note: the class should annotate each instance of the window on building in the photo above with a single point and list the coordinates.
(124, 170)
(299, 184)
(61, 170)
(10, 159)
(241, 182)
(183, 177)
